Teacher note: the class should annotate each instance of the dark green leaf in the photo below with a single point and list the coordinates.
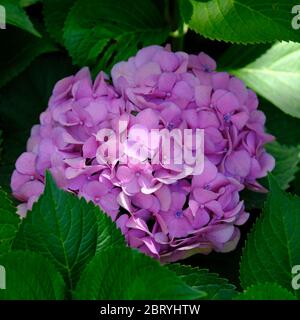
(121, 273)
(30, 277)
(273, 246)
(99, 33)
(9, 222)
(16, 16)
(63, 228)
(239, 55)
(55, 13)
(266, 291)
(17, 55)
(21, 102)
(216, 288)
(108, 233)
(27, 3)
(242, 21)
(252, 199)
(284, 127)
(296, 184)
(287, 163)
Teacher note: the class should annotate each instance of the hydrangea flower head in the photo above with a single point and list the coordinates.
(166, 210)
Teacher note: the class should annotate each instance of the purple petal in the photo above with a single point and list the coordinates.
(203, 95)
(26, 163)
(238, 163)
(220, 233)
(164, 197)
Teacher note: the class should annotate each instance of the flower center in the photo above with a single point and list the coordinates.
(171, 125)
(32, 178)
(96, 199)
(206, 68)
(179, 214)
(207, 187)
(227, 117)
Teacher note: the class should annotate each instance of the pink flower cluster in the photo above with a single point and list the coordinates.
(163, 210)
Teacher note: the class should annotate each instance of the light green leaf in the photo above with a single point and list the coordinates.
(216, 288)
(266, 291)
(241, 21)
(9, 222)
(30, 277)
(55, 13)
(99, 33)
(16, 56)
(16, 16)
(273, 246)
(276, 76)
(287, 163)
(63, 228)
(121, 273)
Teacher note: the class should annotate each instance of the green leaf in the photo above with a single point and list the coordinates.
(266, 291)
(27, 3)
(252, 199)
(9, 222)
(276, 76)
(241, 21)
(273, 246)
(287, 163)
(17, 55)
(284, 127)
(16, 16)
(239, 55)
(30, 277)
(99, 33)
(55, 14)
(121, 273)
(226, 265)
(21, 102)
(61, 227)
(216, 288)
(296, 184)
(108, 233)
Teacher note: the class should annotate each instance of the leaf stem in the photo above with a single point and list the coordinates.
(178, 27)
